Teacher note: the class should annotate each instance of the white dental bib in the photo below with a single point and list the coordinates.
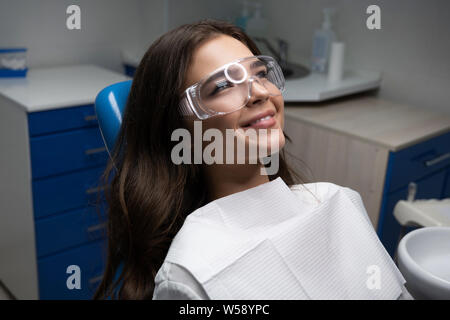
(271, 242)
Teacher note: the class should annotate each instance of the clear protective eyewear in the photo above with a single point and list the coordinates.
(228, 88)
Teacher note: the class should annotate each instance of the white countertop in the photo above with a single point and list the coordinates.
(316, 87)
(58, 87)
(382, 122)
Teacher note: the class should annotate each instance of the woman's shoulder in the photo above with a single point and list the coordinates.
(318, 191)
(321, 185)
(175, 282)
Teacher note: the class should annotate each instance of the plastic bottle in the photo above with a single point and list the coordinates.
(322, 43)
(257, 25)
(241, 21)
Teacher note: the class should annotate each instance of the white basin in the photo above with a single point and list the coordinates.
(424, 260)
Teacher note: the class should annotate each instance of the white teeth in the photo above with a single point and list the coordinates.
(265, 118)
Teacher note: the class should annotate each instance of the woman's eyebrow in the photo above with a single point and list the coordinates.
(214, 77)
(256, 64)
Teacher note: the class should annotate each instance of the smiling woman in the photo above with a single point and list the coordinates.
(226, 230)
(149, 196)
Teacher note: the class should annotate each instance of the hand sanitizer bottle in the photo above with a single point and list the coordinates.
(322, 43)
(257, 25)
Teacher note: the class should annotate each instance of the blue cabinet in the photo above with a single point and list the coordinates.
(67, 159)
(53, 274)
(52, 156)
(59, 153)
(446, 192)
(428, 165)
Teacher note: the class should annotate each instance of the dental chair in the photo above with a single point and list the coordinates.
(109, 106)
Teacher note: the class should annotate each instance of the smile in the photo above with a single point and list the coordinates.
(262, 119)
(266, 120)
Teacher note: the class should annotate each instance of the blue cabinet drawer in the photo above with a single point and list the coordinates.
(45, 122)
(419, 161)
(53, 276)
(69, 229)
(67, 151)
(65, 192)
(446, 192)
(388, 226)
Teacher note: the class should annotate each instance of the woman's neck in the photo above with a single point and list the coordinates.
(223, 180)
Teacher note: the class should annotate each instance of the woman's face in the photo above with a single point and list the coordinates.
(215, 53)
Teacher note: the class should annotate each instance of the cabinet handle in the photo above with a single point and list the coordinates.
(412, 190)
(90, 118)
(89, 152)
(94, 190)
(96, 227)
(436, 160)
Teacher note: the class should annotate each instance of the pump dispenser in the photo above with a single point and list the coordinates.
(322, 43)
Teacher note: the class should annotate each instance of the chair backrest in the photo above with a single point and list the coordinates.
(109, 106)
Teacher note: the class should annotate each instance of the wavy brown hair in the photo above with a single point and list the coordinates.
(148, 197)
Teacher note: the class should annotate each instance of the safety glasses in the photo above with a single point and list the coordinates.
(229, 88)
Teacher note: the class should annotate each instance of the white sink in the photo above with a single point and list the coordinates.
(424, 261)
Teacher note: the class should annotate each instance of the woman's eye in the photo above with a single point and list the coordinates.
(262, 74)
(220, 86)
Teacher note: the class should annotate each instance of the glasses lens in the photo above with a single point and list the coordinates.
(228, 89)
(220, 94)
(266, 72)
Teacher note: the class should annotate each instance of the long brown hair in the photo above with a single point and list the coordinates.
(148, 197)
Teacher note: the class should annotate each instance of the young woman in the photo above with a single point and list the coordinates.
(192, 230)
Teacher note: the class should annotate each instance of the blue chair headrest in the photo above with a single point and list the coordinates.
(109, 106)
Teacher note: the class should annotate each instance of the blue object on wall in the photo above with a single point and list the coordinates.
(13, 54)
(129, 70)
(109, 105)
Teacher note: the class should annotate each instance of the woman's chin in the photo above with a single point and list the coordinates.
(274, 143)
(265, 145)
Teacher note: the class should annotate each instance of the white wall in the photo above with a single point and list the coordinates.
(186, 11)
(107, 26)
(154, 15)
(412, 49)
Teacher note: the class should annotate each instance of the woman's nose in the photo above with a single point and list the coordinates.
(258, 92)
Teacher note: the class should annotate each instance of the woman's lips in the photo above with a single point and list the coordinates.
(263, 123)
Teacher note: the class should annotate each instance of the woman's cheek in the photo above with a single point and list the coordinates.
(279, 104)
(222, 123)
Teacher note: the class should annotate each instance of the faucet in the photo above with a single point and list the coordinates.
(281, 55)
